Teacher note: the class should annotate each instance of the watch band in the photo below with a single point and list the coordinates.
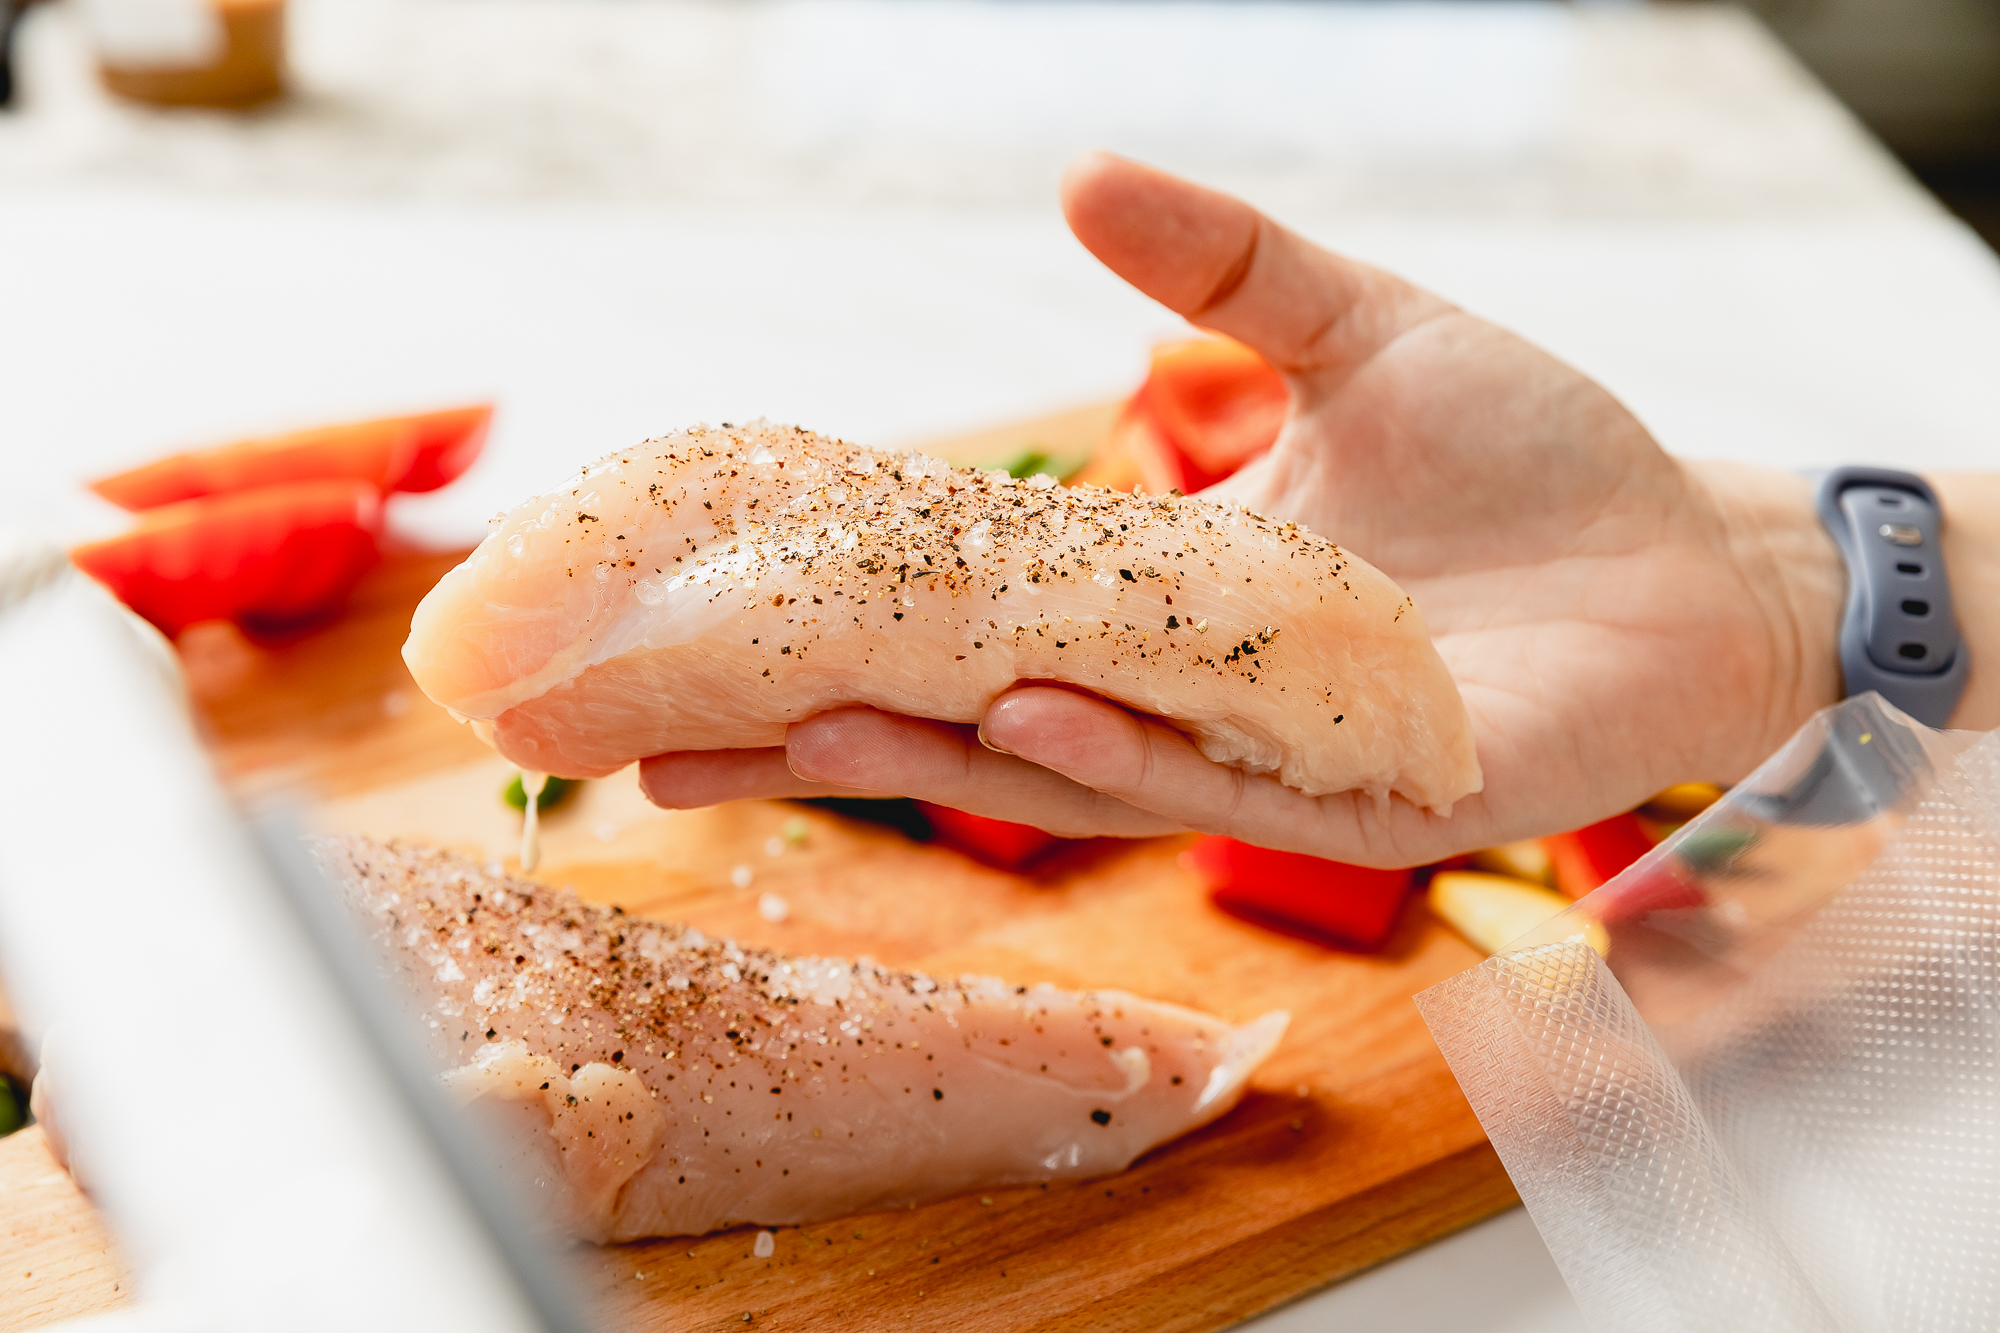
(1899, 635)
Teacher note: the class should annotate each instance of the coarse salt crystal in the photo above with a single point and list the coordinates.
(766, 1246)
(773, 908)
(741, 876)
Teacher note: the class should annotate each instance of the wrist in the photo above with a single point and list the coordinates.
(1793, 572)
(1971, 550)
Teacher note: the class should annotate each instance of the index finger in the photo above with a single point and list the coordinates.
(1223, 265)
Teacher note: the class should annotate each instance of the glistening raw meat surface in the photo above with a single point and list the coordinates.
(705, 590)
(648, 1080)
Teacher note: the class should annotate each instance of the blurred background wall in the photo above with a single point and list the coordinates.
(1922, 74)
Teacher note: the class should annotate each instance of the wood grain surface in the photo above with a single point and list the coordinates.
(1353, 1145)
(56, 1258)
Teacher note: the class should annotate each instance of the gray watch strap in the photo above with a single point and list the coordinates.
(1899, 635)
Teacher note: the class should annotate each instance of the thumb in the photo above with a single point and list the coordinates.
(1221, 264)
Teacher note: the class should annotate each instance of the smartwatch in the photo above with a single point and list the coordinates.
(1898, 635)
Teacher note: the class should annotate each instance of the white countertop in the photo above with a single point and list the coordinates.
(1496, 1277)
(143, 321)
(1388, 110)
(619, 216)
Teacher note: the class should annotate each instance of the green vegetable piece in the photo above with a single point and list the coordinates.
(1028, 463)
(795, 830)
(13, 1106)
(554, 793)
(1712, 849)
(1035, 458)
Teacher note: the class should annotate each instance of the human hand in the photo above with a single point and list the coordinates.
(1617, 620)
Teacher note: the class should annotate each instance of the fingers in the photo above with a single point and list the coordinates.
(695, 778)
(862, 752)
(860, 748)
(1223, 265)
(1145, 763)
(1066, 762)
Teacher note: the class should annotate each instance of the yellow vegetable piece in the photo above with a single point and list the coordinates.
(1526, 859)
(1659, 830)
(1492, 911)
(1678, 804)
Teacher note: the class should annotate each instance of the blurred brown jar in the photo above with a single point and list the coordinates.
(219, 53)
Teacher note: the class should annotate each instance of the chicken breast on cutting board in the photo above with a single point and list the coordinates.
(651, 1081)
(705, 590)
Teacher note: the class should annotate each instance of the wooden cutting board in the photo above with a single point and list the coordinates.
(1354, 1144)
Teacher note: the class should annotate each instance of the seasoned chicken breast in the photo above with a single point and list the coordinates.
(704, 590)
(651, 1081)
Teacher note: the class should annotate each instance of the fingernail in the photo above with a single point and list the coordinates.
(792, 765)
(987, 741)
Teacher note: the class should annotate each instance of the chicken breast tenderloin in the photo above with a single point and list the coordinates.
(707, 589)
(648, 1080)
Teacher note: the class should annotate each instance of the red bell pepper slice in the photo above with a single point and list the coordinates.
(1352, 906)
(269, 557)
(413, 453)
(1663, 886)
(448, 442)
(1591, 856)
(997, 842)
(1216, 402)
(1136, 456)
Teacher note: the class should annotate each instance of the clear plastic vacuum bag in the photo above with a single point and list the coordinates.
(1754, 1082)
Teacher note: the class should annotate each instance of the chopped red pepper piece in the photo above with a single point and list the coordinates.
(997, 842)
(1135, 457)
(269, 557)
(1216, 402)
(1352, 906)
(1591, 856)
(1207, 407)
(1660, 887)
(412, 453)
(448, 442)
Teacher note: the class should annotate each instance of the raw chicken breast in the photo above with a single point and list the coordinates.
(705, 590)
(651, 1081)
